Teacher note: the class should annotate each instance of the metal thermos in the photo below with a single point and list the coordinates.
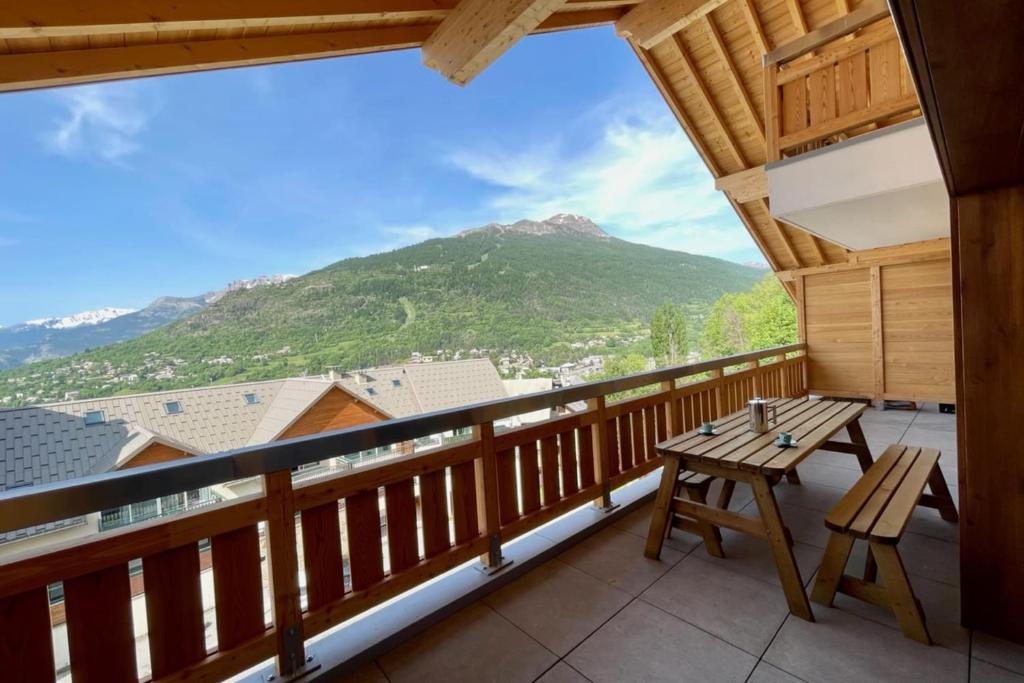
(757, 409)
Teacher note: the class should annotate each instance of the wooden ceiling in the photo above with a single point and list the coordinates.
(705, 56)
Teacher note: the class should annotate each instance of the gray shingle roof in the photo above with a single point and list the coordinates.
(47, 443)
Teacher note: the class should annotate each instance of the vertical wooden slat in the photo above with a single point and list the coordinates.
(877, 333)
(321, 555)
(852, 84)
(650, 436)
(612, 433)
(821, 87)
(794, 106)
(237, 586)
(400, 512)
(174, 609)
(26, 646)
(464, 502)
(637, 424)
(283, 562)
(884, 61)
(434, 510)
(567, 459)
(101, 640)
(587, 456)
(549, 469)
(625, 443)
(529, 477)
(508, 504)
(362, 524)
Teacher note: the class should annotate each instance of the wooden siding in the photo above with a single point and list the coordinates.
(336, 409)
(153, 454)
(881, 330)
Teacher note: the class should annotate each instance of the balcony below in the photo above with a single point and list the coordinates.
(600, 611)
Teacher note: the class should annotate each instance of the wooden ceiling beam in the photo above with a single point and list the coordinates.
(756, 29)
(796, 13)
(55, 18)
(653, 21)
(784, 236)
(708, 101)
(734, 76)
(477, 32)
(744, 186)
(66, 67)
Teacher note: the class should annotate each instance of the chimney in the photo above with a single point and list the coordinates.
(332, 375)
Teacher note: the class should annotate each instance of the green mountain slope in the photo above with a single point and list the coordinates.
(533, 287)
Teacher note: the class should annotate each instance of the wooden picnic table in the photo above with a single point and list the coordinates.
(736, 454)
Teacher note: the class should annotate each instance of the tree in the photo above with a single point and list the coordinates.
(668, 333)
(759, 319)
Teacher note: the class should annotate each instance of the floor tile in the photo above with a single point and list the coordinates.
(810, 495)
(738, 609)
(999, 652)
(558, 605)
(617, 558)
(837, 477)
(928, 522)
(562, 673)
(982, 672)
(922, 556)
(745, 554)
(638, 523)
(475, 644)
(644, 643)
(840, 647)
(766, 673)
(369, 673)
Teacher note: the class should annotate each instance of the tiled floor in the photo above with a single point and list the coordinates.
(602, 612)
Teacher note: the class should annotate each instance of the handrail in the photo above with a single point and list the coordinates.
(31, 506)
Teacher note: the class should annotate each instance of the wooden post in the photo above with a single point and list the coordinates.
(783, 378)
(771, 113)
(487, 496)
(283, 562)
(673, 411)
(602, 464)
(756, 366)
(718, 373)
(877, 333)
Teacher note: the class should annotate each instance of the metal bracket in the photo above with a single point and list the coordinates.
(607, 508)
(491, 571)
(312, 664)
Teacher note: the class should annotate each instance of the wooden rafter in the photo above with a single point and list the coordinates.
(707, 100)
(64, 67)
(734, 75)
(796, 12)
(667, 92)
(819, 251)
(745, 186)
(843, 6)
(783, 236)
(754, 24)
(477, 32)
(653, 21)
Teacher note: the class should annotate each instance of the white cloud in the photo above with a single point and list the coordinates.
(412, 233)
(640, 179)
(101, 120)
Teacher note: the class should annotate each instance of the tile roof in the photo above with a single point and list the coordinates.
(48, 443)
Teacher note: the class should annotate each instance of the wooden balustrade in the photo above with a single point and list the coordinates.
(366, 536)
(851, 85)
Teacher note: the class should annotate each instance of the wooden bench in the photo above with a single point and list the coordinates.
(877, 510)
(695, 487)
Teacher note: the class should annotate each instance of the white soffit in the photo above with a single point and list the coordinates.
(875, 190)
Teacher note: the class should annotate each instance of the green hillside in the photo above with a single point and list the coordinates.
(530, 289)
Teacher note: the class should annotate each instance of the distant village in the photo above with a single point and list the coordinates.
(107, 378)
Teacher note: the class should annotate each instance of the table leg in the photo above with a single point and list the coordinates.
(792, 477)
(725, 495)
(789, 573)
(662, 507)
(857, 439)
(937, 484)
(712, 536)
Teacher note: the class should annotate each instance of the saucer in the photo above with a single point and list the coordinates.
(791, 444)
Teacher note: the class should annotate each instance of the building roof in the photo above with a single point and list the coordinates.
(47, 443)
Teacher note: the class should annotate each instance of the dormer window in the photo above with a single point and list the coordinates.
(95, 417)
(396, 382)
(250, 399)
(173, 407)
(371, 391)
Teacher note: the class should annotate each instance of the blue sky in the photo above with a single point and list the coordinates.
(114, 194)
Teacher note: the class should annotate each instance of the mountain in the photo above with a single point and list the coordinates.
(549, 289)
(46, 338)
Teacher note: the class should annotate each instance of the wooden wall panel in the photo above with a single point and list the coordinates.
(153, 454)
(837, 310)
(917, 331)
(335, 410)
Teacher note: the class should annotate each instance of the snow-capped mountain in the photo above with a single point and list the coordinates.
(66, 322)
(45, 338)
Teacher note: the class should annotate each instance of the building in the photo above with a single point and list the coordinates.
(62, 441)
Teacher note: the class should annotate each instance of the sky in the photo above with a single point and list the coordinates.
(115, 194)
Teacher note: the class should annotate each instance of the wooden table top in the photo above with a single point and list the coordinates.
(811, 423)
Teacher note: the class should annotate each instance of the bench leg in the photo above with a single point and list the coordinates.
(870, 567)
(662, 514)
(712, 536)
(789, 573)
(792, 477)
(937, 484)
(857, 439)
(901, 595)
(833, 564)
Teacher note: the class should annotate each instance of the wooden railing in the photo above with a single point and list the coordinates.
(849, 86)
(366, 535)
